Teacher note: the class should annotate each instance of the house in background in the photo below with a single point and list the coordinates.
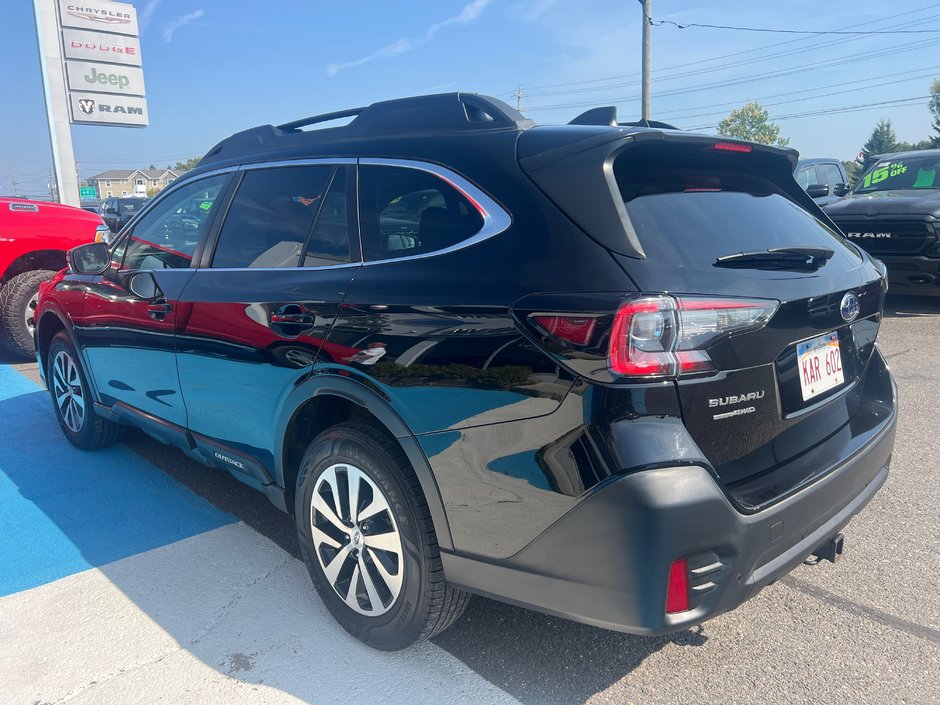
(133, 183)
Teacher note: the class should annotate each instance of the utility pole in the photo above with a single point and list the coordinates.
(646, 58)
(13, 179)
(519, 96)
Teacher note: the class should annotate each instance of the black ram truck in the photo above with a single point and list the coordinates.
(894, 212)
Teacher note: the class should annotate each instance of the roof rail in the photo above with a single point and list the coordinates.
(427, 113)
(326, 117)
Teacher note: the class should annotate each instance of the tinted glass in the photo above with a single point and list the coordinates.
(830, 175)
(806, 176)
(691, 217)
(405, 212)
(901, 173)
(166, 237)
(329, 242)
(129, 206)
(271, 216)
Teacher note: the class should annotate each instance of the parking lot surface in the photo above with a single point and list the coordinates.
(134, 575)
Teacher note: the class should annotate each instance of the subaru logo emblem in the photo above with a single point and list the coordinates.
(849, 307)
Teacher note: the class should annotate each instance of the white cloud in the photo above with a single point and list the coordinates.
(147, 13)
(170, 28)
(531, 10)
(468, 14)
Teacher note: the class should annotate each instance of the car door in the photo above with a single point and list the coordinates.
(262, 304)
(130, 313)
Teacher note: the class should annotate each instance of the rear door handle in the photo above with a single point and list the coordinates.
(159, 309)
(292, 319)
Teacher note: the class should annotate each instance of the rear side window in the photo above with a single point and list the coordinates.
(691, 216)
(406, 212)
(271, 216)
(329, 242)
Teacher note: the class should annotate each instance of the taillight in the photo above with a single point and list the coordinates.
(677, 591)
(573, 329)
(666, 336)
(732, 147)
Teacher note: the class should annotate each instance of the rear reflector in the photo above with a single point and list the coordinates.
(732, 147)
(677, 594)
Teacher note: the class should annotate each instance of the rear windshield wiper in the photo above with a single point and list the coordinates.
(795, 258)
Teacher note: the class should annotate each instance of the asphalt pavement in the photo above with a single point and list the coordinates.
(215, 606)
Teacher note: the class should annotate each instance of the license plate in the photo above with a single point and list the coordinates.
(820, 365)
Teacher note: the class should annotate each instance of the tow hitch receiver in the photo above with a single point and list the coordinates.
(830, 551)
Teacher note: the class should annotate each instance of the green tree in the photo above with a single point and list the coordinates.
(914, 146)
(934, 106)
(882, 141)
(851, 171)
(752, 122)
(187, 165)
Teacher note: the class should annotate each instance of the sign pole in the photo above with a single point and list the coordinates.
(57, 108)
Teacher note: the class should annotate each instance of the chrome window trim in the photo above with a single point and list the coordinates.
(314, 161)
(495, 219)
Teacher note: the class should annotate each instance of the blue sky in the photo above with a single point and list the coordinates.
(214, 67)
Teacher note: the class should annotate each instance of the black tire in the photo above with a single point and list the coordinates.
(426, 604)
(94, 431)
(16, 334)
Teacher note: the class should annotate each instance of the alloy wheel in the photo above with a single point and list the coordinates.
(356, 539)
(67, 389)
(30, 313)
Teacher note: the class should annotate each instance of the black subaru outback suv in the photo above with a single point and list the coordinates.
(894, 213)
(621, 374)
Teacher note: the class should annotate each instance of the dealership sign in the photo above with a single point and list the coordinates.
(101, 55)
(97, 46)
(116, 17)
(104, 78)
(105, 109)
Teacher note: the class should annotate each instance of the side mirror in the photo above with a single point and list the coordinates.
(817, 190)
(93, 258)
(840, 189)
(111, 211)
(143, 285)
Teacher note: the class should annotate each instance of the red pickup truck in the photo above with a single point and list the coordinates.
(34, 237)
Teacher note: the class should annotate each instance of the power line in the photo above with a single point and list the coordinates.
(800, 100)
(740, 53)
(810, 90)
(900, 102)
(733, 64)
(791, 31)
(803, 68)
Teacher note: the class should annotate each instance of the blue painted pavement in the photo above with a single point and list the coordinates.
(64, 510)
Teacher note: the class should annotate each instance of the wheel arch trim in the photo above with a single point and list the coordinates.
(322, 385)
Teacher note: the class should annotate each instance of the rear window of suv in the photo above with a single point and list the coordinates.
(692, 216)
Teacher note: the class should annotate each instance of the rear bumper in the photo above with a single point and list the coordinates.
(913, 274)
(606, 562)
